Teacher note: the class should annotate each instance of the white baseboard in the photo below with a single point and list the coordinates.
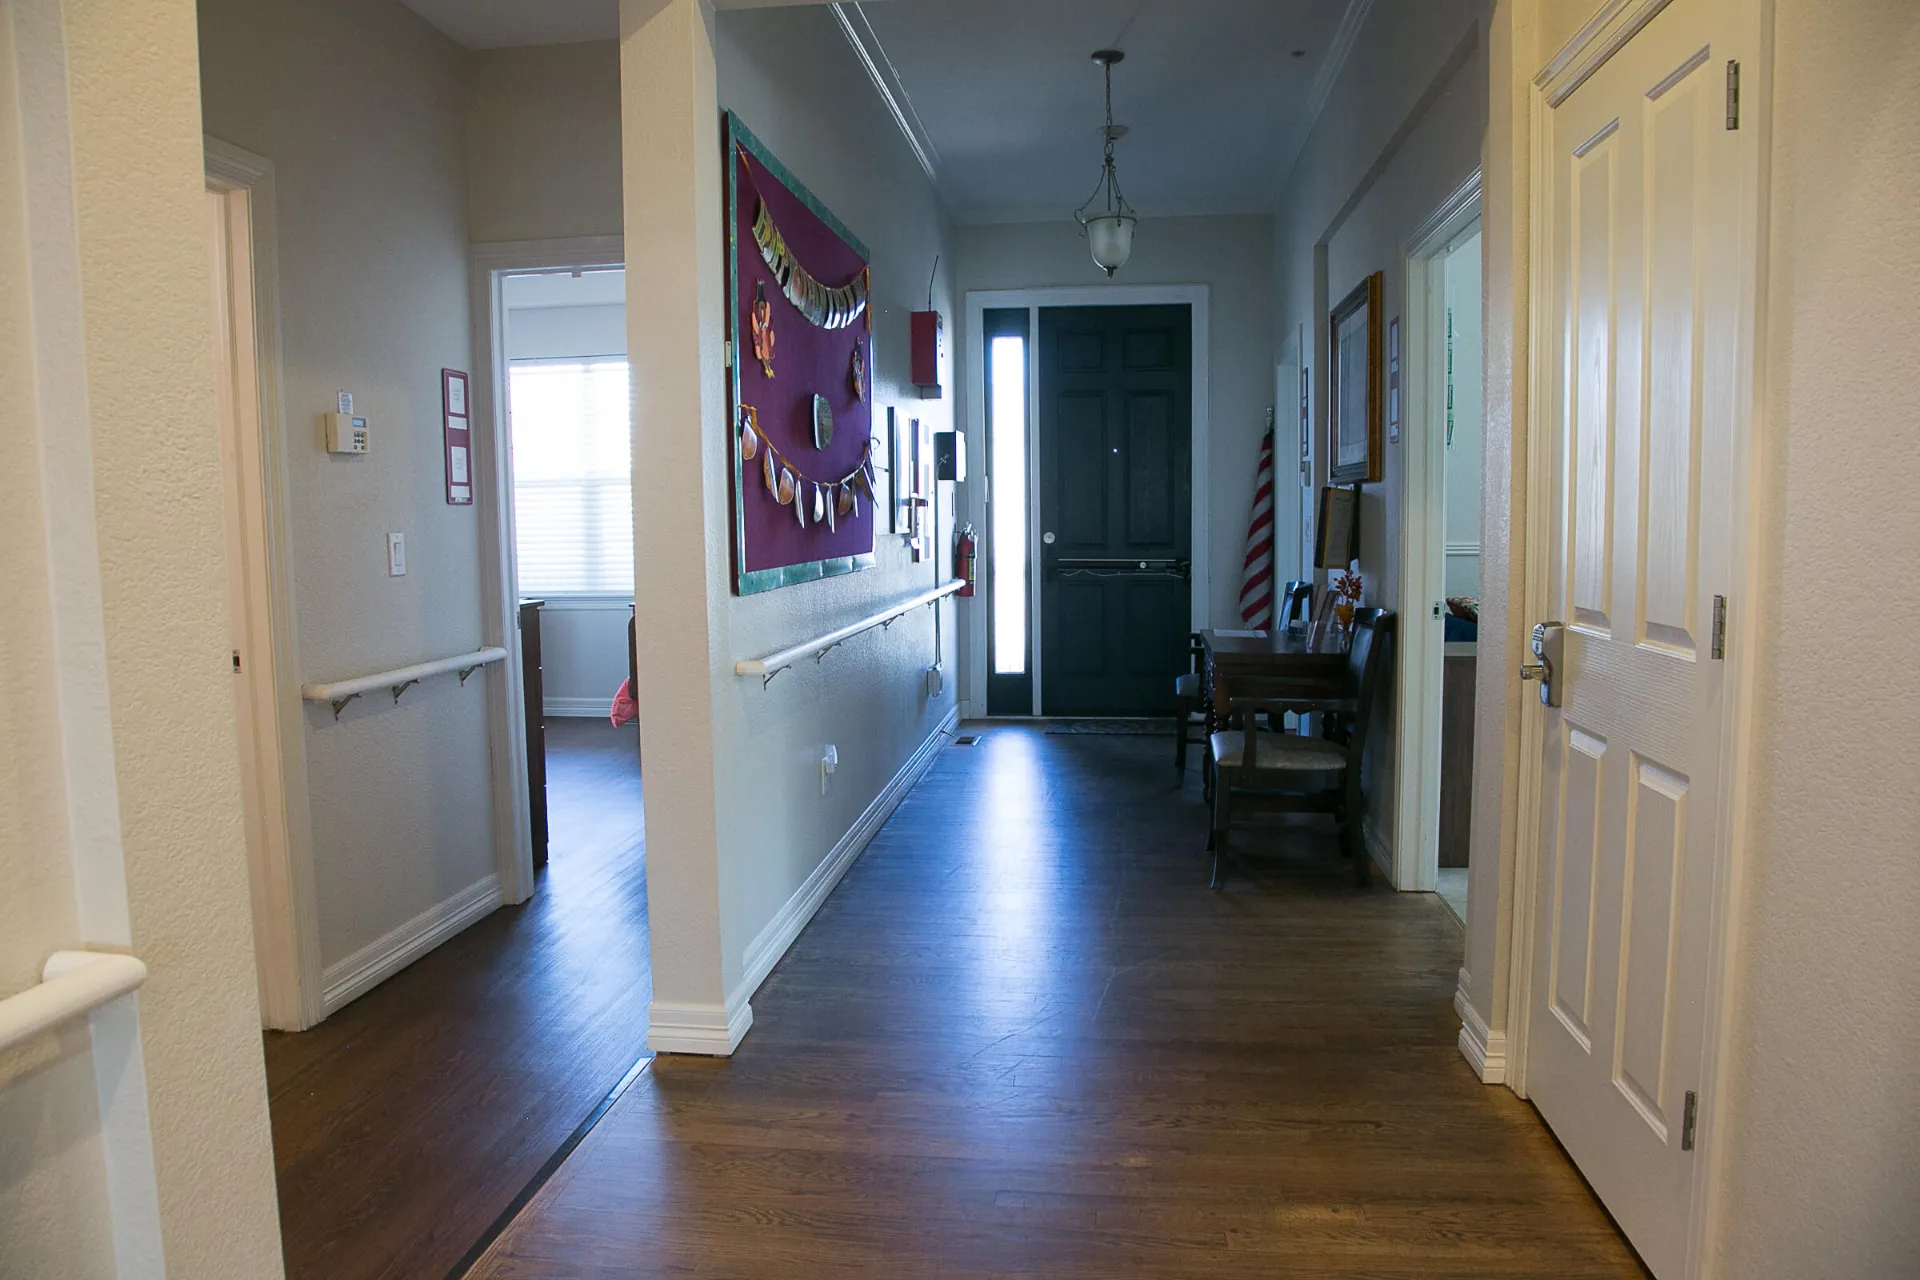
(766, 949)
(698, 1028)
(1484, 1050)
(582, 708)
(346, 980)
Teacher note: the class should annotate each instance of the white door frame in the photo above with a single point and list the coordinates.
(286, 918)
(1416, 737)
(1584, 54)
(979, 302)
(499, 569)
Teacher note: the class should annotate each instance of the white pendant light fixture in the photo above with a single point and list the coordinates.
(1106, 218)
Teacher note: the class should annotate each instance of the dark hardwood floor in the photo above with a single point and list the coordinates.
(1023, 1038)
(408, 1121)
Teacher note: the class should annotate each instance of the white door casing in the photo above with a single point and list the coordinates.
(1650, 268)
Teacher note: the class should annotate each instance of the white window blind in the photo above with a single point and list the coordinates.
(572, 476)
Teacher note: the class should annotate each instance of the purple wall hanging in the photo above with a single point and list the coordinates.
(800, 394)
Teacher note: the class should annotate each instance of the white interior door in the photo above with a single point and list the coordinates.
(1647, 206)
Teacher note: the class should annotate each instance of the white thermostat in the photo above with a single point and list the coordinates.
(345, 433)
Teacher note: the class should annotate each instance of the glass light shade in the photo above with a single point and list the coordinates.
(1110, 235)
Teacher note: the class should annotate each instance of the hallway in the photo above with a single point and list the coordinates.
(1024, 1038)
(406, 1123)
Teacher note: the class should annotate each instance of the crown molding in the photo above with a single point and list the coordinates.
(886, 82)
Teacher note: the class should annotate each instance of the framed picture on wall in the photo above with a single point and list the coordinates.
(1306, 431)
(1393, 380)
(1337, 537)
(1355, 409)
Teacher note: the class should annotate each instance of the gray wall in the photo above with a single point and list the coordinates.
(361, 107)
(1401, 132)
(543, 138)
(791, 77)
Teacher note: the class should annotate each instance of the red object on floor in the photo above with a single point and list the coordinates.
(625, 709)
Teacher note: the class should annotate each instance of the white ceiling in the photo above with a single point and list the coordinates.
(1214, 99)
(1007, 103)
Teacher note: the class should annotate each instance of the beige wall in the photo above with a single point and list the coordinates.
(361, 106)
(55, 1218)
(1825, 1129)
(543, 142)
(1820, 1165)
(132, 782)
(1233, 257)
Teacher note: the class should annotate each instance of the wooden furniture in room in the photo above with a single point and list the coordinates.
(536, 726)
(1288, 768)
(1296, 605)
(1263, 653)
(1189, 701)
(1456, 751)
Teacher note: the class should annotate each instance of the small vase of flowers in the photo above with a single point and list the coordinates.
(1347, 591)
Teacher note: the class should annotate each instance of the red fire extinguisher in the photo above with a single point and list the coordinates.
(965, 545)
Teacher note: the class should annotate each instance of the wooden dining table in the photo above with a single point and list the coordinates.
(1261, 653)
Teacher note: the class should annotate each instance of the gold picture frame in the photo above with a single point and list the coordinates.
(1354, 403)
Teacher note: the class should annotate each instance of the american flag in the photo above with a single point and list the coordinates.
(1256, 575)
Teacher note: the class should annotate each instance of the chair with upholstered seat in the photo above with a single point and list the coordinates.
(1294, 772)
(1189, 705)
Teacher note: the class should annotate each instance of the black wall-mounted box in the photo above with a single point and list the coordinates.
(949, 455)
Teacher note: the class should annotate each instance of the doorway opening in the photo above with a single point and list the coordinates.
(570, 474)
(269, 741)
(1093, 622)
(1441, 552)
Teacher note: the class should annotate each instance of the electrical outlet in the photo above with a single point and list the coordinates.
(829, 764)
(396, 555)
(936, 681)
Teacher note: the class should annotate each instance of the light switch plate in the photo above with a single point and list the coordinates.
(396, 555)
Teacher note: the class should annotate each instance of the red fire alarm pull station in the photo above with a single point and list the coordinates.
(926, 337)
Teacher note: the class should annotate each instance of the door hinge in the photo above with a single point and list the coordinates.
(1733, 93)
(728, 347)
(236, 661)
(1718, 648)
(1688, 1118)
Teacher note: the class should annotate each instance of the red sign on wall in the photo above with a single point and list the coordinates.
(459, 437)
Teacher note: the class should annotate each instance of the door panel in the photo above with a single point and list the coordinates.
(1644, 290)
(1150, 501)
(1115, 494)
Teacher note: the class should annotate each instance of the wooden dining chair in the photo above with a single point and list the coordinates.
(1190, 707)
(1294, 772)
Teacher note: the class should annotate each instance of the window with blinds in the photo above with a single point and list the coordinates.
(572, 476)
